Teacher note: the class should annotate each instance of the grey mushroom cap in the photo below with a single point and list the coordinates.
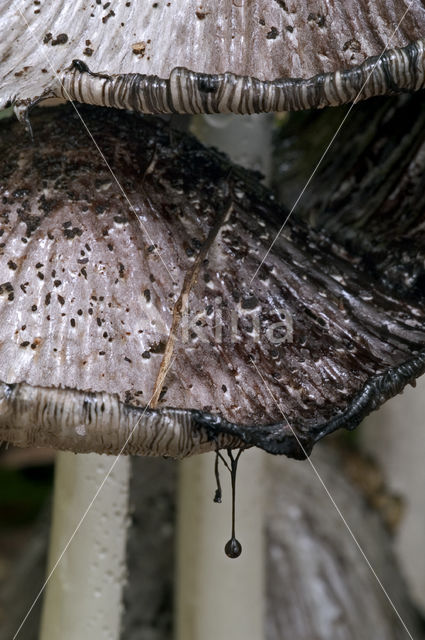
(107, 308)
(221, 56)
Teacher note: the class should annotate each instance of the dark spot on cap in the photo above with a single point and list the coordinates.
(318, 18)
(158, 347)
(62, 38)
(163, 392)
(6, 287)
(80, 66)
(71, 233)
(108, 15)
(120, 219)
(139, 48)
(249, 303)
(283, 5)
(272, 34)
(353, 45)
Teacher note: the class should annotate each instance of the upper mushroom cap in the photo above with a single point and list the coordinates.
(218, 55)
(104, 307)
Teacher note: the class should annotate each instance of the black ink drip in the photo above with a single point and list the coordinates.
(218, 493)
(233, 548)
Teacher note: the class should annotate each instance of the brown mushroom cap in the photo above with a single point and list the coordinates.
(94, 297)
(218, 56)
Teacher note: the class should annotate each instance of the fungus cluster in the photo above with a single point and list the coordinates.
(155, 298)
(116, 314)
(104, 307)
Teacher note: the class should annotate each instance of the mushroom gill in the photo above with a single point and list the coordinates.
(109, 301)
(223, 56)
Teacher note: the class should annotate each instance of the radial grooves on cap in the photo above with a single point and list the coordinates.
(182, 303)
(185, 91)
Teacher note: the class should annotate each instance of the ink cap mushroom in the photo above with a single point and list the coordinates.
(190, 90)
(117, 320)
(307, 55)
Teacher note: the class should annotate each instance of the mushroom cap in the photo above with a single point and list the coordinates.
(218, 56)
(107, 307)
(370, 201)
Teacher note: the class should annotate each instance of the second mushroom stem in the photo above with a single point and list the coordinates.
(218, 597)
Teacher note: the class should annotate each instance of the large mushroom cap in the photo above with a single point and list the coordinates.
(106, 308)
(215, 56)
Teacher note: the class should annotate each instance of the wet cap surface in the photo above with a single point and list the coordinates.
(90, 292)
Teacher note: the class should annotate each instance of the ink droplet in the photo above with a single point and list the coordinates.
(233, 548)
(217, 496)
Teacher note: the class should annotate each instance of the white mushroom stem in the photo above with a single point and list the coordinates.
(218, 597)
(83, 598)
(400, 425)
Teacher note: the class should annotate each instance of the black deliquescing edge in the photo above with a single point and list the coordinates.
(294, 440)
(297, 441)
